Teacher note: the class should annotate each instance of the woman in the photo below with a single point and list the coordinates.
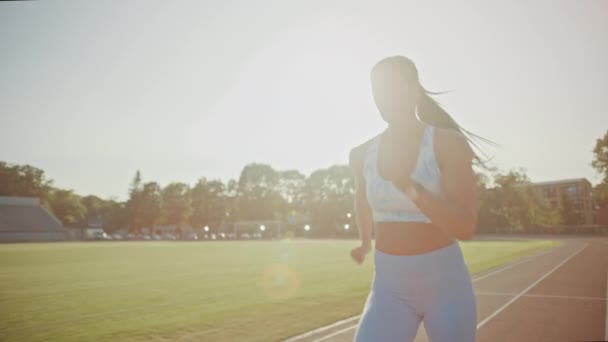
(416, 186)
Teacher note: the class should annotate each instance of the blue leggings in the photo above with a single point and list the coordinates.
(433, 287)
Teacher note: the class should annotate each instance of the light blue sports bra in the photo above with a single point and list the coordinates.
(388, 203)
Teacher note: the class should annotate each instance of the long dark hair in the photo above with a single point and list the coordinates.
(430, 111)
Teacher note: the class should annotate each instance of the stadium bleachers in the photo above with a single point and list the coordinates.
(24, 219)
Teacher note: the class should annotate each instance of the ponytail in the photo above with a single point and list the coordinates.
(431, 112)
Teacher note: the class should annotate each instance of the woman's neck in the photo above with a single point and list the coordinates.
(411, 127)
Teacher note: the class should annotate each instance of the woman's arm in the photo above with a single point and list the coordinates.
(363, 214)
(456, 211)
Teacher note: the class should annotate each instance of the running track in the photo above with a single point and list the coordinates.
(557, 295)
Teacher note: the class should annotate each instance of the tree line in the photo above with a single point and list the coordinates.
(323, 200)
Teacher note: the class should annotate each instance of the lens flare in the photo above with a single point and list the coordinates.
(280, 282)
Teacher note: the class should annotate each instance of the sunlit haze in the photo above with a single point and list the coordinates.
(91, 91)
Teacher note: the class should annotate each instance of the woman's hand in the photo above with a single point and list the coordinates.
(359, 253)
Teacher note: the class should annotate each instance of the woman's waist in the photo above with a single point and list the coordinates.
(430, 261)
(421, 272)
(410, 238)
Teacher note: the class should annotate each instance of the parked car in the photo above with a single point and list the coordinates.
(168, 236)
(191, 236)
(101, 236)
(117, 236)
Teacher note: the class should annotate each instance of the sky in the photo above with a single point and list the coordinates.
(91, 91)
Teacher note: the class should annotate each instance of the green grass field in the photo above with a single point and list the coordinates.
(161, 291)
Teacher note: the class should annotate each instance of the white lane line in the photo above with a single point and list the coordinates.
(526, 259)
(335, 333)
(319, 330)
(523, 292)
(504, 294)
(347, 320)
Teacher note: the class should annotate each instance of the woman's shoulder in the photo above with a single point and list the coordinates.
(448, 134)
(451, 143)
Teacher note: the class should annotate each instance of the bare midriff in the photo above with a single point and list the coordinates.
(410, 238)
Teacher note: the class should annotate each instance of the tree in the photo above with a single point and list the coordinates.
(208, 203)
(600, 194)
(257, 196)
(94, 206)
(150, 204)
(66, 206)
(540, 212)
(328, 198)
(23, 180)
(291, 187)
(135, 184)
(504, 206)
(600, 160)
(143, 208)
(232, 209)
(600, 164)
(176, 204)
(134, 204)
(513, 205)
(107, 211)
(115, 216)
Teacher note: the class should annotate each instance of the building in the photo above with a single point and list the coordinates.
(24, 219)
(578, 191)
